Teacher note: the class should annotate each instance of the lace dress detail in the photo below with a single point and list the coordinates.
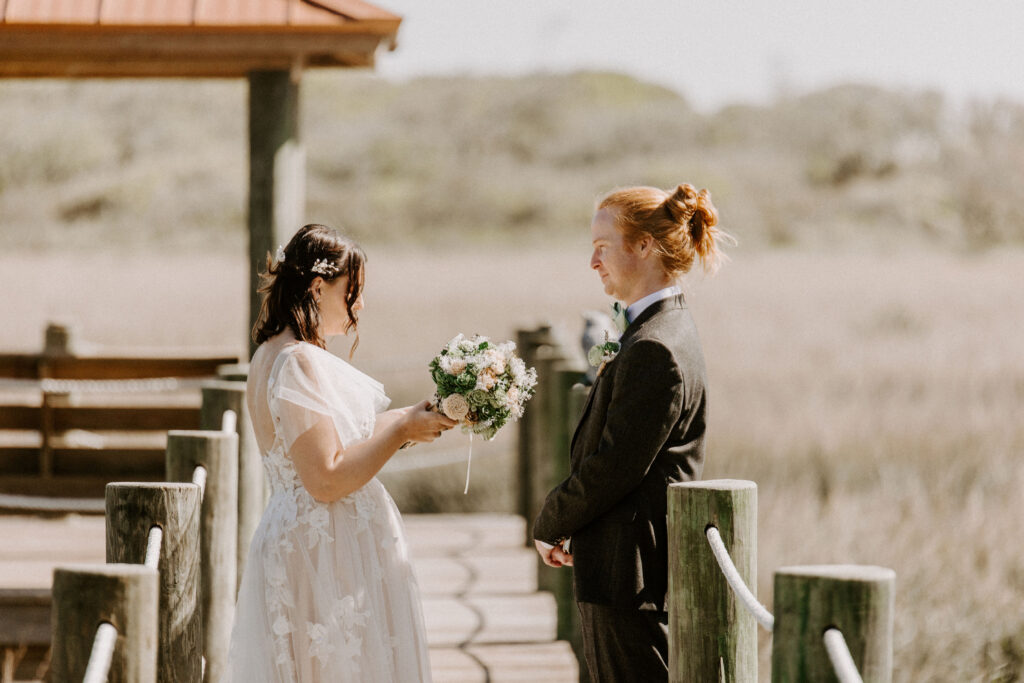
(328, 592)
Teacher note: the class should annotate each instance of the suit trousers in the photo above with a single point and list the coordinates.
(623, 645)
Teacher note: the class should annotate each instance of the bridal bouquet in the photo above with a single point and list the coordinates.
(481, 384)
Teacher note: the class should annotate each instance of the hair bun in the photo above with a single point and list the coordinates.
(693, 212)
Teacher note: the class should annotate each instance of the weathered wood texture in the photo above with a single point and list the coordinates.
(563, 401)
(857, 600)
(276, 171)
(218, 453)
(132, 510)
(712, 637)
(531, 428)
(84, 596)
(219, 396)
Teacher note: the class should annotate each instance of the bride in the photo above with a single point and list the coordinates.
(328, 593)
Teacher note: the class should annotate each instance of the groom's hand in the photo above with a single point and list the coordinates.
(563, 558)
(554, 556)
(546, 554)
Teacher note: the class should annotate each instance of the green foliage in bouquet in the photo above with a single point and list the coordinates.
(481, 384)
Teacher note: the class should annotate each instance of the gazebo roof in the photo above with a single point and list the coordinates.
(203, 38)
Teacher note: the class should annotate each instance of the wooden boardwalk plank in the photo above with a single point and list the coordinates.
(535, 663)
(490, 619)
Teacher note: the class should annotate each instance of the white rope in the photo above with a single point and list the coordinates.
(761, 614)
(839, 655)
(156, 537)
(229, 421)
(102, 654)
(103, 386)
(199, 478)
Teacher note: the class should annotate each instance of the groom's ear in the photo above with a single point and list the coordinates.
(645, 246)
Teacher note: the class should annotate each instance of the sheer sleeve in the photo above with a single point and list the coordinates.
(306, 389)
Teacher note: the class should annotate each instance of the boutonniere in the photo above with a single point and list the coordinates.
(602, 354)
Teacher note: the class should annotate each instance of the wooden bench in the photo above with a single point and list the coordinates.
(69, 424)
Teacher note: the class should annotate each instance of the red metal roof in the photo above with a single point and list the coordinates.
(268, 13)
(187, 37)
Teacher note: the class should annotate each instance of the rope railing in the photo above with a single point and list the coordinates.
(156, 536)
(839, 655)
(103, 386)
(102, 655)
(827, 622)
(139, 516)
(739, 587)
(199, 479)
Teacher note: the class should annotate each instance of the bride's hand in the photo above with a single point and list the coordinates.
(422, 423)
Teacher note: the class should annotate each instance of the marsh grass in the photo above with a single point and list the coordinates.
(877, 400)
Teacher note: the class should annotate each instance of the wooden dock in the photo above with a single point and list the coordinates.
(485, 619)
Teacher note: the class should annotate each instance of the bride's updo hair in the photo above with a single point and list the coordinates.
(682, 224)
(287, 298)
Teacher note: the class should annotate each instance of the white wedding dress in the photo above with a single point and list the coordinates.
(328, 594)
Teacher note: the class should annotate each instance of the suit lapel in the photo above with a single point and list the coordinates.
(677, 301)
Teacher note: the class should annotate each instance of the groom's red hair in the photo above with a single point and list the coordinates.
(682, 224)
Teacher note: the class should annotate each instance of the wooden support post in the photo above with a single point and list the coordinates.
(84, 596)
(219, 396)
(856, 600)
(549, 409)
(563, 404)
(134, 508)
(218, 453)
(56, 344)
(712, 637)
(530, 424)
(276, 170)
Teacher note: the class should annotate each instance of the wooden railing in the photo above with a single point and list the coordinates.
(69, 423)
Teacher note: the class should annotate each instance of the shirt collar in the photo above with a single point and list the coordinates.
(640, 305)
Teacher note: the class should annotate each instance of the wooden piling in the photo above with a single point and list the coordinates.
(219, 396)
(530, 426)
(123, 595)
(132, 509)
(712, 637)
(563, 400)
(217, 452)
(856, 600)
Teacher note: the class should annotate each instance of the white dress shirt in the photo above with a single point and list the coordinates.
(640, 305)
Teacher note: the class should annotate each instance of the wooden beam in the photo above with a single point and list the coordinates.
(49, 52)
(133, 418)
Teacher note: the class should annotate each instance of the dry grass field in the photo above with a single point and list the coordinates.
(877, 401)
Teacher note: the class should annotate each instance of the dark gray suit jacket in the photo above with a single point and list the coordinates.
(642, 428)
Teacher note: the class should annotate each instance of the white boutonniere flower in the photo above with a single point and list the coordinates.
(602, 354)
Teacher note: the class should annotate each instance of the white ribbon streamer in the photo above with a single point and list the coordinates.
(469, 463)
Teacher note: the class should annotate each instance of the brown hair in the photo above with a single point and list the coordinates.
(288, 300)
(682, 224)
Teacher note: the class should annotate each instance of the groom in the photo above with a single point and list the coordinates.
(642, 428)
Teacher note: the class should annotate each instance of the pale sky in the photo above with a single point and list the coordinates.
(718, 52)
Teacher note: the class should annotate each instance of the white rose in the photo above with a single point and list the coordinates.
(457, 366)
(455, 406)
